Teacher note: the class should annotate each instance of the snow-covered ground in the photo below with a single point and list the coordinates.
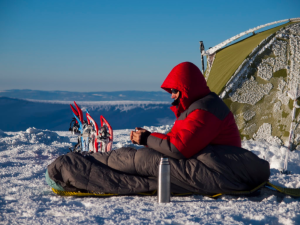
(25, 198)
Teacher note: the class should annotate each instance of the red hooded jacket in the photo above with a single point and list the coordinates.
(202, 117)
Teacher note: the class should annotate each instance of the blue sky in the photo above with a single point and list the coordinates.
(117, 45)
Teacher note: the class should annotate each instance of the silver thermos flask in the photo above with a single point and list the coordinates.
(164, 181)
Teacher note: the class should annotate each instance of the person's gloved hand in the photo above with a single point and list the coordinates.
(139, 136)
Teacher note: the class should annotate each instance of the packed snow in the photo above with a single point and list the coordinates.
(25, 198)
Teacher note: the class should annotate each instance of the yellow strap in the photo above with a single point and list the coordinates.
(238, 192)
(147, 193)
(81, 194)
(295, 192)
(70, 193)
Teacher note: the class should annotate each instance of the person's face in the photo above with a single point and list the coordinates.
(175, 94)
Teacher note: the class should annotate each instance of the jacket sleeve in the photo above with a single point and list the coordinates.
(187, 136)
(162, 144)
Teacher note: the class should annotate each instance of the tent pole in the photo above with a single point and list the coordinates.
(202, 52)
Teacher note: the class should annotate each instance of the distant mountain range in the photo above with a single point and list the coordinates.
(87, 96)
(19, 114)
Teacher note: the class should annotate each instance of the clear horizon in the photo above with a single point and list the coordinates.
(96, 46)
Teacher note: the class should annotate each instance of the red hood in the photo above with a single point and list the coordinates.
(188, 79)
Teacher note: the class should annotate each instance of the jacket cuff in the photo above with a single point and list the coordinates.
(144, 138)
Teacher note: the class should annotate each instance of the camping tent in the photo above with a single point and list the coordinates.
(258, 78)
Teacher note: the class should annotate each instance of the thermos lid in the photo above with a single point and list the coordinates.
(164, 160)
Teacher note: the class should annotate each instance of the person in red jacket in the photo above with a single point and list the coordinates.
(202, 117)
(204, 130)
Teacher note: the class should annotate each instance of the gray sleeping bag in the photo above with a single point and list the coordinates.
(215, 169)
